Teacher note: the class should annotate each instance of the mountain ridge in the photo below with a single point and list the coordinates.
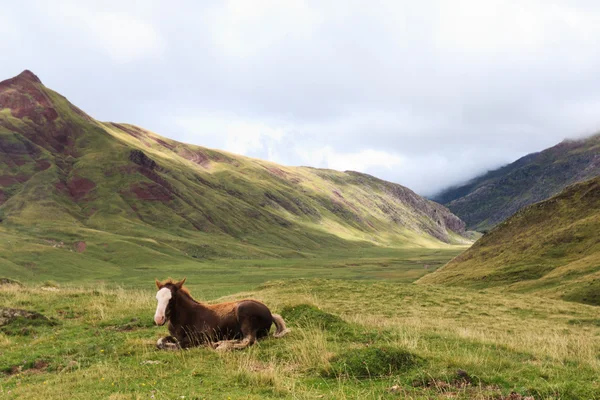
(490, 198)
(65, 176)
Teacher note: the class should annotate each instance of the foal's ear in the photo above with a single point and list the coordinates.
(158, 284)
(180, 283)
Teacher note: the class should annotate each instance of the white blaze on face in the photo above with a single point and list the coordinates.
(163, 296)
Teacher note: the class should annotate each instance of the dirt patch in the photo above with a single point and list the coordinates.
(462, 382)
(337, 193)
(8, 180)
(13, 369)
(153, 176)
(80, 187)
(150, 191)
(40, 365)
(196, 157)
(42, 165)
(14, 321)
(80, 246)
(130, 130)
(19, 161)
(77, 188)
(7, 281)
(163, 143)
(30, 367)
(516, 396)
(277, 172)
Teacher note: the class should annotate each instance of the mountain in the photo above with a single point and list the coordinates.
(120, 195)
(551, 247)
(491, 198)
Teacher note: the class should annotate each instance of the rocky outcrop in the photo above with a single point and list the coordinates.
(7, 315)
(140, 158)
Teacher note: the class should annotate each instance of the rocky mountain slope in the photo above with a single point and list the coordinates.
(491, 198)
(120, 194)
(551, 247)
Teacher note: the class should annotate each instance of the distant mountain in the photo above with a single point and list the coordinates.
(491, 198)
(121, 195)
(551, 247)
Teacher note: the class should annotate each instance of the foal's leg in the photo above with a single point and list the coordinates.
(249, 331)
(167, 343)
(245, 342)
(224, 345)
(248, 338)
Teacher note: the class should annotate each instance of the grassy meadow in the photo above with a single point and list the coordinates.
(92, 212)
(350, 339)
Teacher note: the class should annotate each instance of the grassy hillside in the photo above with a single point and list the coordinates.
(551, 247)
(350, 340)
(491, 198)
(93, 198)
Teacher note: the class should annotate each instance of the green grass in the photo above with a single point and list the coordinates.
(129, 264)
(551, 248)
(349, 339)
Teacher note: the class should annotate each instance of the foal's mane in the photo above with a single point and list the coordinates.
(183, 290)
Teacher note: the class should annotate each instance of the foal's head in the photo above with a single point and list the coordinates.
(166, 292)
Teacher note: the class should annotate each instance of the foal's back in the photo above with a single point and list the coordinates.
(234, 319)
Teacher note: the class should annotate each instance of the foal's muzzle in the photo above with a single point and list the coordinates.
(160, 321)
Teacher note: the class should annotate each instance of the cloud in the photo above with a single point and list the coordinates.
(232, 133)
(125, 38)
(426, 95)
(362, 160)
(121, 35)
(238, 32)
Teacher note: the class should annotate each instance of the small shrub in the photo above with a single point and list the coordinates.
(373, 361)
(302, 314)
(24, 326)
(585, 321)
(306, 315)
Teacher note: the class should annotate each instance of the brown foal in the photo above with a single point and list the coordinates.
(236, 324)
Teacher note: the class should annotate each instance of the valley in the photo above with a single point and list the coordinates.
(388, 294)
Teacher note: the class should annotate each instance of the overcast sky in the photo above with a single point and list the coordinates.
(426, 94)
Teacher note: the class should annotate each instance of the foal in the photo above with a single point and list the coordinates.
(235, 324)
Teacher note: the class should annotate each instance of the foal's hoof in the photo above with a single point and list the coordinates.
(223, 346)
(163, 344)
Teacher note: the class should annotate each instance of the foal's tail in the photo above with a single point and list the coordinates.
(280, 324)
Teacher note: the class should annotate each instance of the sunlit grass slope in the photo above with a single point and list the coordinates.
(349, 340)
(551, 248)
